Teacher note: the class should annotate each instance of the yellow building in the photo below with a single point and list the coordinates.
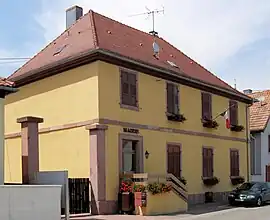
(110, 100)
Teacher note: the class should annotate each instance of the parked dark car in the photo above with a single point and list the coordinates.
(250, 193)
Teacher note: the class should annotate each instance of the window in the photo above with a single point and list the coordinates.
(129, 156)
(174, 160)
(255, 154)
(129, 90)
(269, 143)
(208, 162)
(234, 162)
(206, 106)
(172, 98)
(233, 105)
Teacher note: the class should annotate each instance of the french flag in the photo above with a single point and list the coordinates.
(226, 118)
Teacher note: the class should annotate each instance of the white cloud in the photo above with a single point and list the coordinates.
(209, 31)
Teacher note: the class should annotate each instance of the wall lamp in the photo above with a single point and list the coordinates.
(146, 154)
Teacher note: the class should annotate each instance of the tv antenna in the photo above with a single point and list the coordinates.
(151, 13)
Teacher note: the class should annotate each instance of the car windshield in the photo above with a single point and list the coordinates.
(250, 186)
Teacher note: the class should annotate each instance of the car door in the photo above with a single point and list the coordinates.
(268, 190)
(265, 192)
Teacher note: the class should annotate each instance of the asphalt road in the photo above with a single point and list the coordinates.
(239, 213)
(227, 213)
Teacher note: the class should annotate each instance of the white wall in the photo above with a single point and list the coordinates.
(30, 202)
(265, 155)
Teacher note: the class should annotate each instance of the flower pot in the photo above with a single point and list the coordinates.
(137, 199)
(126, 202)
(209, 197)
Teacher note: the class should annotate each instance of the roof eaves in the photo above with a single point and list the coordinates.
(99, 54)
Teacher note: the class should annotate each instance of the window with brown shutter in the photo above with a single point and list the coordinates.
(172, 98)
(129, 93)
(233, 105)
(234, 162)
(206, 106)
(269, 143)
(208, 162)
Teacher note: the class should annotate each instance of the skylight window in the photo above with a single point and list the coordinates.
(59, 50)
(172, 64)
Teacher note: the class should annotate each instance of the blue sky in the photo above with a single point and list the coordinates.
(231, 38)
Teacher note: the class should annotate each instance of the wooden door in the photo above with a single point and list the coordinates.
(267, 173)
(174, 160)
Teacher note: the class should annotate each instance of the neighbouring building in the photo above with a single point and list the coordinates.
(260, 136)
(108, 99)
(6, 87)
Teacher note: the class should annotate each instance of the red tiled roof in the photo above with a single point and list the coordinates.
(260, 111)
(5, 82)
(94, 31)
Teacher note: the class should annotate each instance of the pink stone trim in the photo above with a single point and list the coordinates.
(30, 146)
(97, 168)
(140, 162)
(30, 119)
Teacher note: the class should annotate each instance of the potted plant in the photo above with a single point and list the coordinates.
(183, 180)
(236, 180)
(138, 189)
(208, 197)
(208, 123)
(210, 181)
(237, 128)
(126, 197)
(158, 188)
(175, 117)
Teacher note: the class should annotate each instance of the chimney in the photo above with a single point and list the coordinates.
(247, 91)
(72, 15)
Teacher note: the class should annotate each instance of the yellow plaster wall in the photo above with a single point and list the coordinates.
(173, 204)
(13, 160)
(69, 97)
(152, 103)
(155, 143)
(66, 150)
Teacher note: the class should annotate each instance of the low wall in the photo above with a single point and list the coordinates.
(164, 203)
(30, 202)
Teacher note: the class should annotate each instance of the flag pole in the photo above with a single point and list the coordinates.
(223, 112)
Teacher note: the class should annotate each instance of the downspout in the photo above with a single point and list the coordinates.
(247, 141)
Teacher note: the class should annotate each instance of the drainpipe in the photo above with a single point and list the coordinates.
(247, 140)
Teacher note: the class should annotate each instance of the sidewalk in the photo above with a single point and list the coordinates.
(193, 211)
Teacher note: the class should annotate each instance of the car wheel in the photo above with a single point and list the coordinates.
(259, 202)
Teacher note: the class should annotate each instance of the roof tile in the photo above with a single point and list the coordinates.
(5, 82)
(93, 31)
(260, 111)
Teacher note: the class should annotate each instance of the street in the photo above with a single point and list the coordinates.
(235, 213)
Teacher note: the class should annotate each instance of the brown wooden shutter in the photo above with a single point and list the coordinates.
(204, 162)
(124, 88)
(267, 173)
(234, 163)
(170, 98)
(176, 99)
(233, 105)
(133, 88)
(206, 106)
(211, 162)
